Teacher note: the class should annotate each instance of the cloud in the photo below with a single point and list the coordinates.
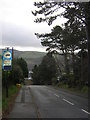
(18, 25)
(17, 36)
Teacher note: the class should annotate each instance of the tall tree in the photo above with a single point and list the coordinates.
(65, 41)
(75, 12)
(22, 63)
(35, 75)
(46, 71)
(56, 42)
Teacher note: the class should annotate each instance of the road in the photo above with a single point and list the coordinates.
(46, 102)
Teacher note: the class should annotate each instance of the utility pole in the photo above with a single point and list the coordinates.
(6, 75)
(7, 80)
(7, 65)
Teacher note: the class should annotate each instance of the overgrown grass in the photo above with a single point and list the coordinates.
(84, 89)
(77, 89)
(0, 84)
(11, 92)
(0, 68)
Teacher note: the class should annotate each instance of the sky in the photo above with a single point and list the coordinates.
(17, 26)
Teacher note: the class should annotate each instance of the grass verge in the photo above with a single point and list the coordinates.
(7, 103)
(82, 91)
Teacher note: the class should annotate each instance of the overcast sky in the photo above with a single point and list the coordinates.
(18, 26)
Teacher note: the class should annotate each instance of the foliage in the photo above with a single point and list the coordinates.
(22, 63)
(31, 57)
(0, 68)
(84, 89)
(54, 81)
(82, 68)
(62, 85)
(45, 72)
(65, 42)
(12, 91)
(64, 79)
(73, 11)
(74, 35)
(35, 75)
(16, 75)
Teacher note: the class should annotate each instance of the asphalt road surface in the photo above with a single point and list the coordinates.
(46, 102)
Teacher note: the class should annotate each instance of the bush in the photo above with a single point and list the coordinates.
(54, 81)
(62, 85)
(84, 89)
(64, 79)
(17, 74)
(12, 90)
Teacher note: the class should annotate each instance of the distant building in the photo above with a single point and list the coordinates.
(28, 81)
(29, 75)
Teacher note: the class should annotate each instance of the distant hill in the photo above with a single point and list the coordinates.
(0, 52)
(31, 57)
(34, 57)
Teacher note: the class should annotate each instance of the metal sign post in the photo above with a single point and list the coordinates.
(6, 77)
(7, 65)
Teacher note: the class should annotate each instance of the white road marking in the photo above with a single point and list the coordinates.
(56, 95)
(85, 111)
(68, 102)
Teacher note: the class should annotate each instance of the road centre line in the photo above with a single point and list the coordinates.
(56, 95)
(68, 101)
(85, 111)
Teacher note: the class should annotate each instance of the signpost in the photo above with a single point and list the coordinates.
(7, 59)
(7, 65)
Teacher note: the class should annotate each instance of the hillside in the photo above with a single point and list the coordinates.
(34, 57)
(31, 57)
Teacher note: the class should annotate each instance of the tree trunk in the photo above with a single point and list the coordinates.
(88, 38)
(73, 66)
(82, 69)
(66, 66)
(87, 17)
